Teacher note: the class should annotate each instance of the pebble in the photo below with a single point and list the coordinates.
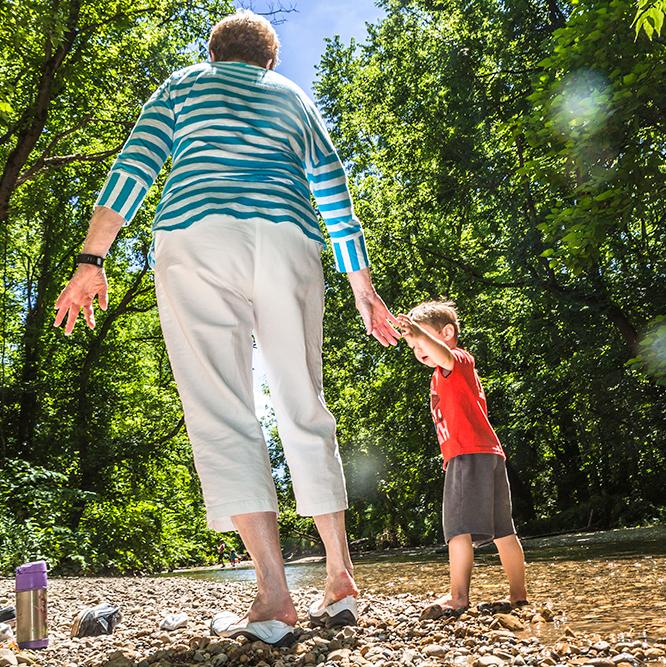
(435, 651)
(510, 622)
(623, 657)
(341, 655)
(488, 661)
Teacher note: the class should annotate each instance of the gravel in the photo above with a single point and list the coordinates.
(393, 631)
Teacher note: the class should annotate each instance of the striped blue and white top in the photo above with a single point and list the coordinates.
(244, 141)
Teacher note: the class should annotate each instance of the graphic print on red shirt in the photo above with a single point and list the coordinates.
(459, 410)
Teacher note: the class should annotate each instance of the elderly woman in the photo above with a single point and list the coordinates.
(236, 251)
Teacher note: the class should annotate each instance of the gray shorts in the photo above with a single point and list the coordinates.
(477, 501)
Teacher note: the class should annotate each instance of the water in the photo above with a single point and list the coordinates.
(610, 589)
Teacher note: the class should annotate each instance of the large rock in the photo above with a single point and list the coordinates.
(600, 662)
(346, 633)
(118, 659)
(510, 622)
(561, 649)
(408, 656)
(7, 658)
(500, 635)
(654, 653)
(341, 655)
(431, 613)
(488, 661)
(435, 651)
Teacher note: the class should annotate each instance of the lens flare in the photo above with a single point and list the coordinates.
(653, 350)
(581, 103)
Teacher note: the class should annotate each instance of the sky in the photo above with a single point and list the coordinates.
(303, 32)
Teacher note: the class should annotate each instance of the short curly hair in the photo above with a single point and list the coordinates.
(245, 37)
(436, 314)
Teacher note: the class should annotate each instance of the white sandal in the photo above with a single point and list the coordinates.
(336, 615)
(276, 633)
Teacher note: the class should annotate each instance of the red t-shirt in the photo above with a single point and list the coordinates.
(458, 405)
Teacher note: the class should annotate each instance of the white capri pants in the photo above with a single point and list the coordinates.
(218, 281)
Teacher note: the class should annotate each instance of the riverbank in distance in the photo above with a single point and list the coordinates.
(656, 533)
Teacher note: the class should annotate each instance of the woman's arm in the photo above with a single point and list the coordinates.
(89, 280)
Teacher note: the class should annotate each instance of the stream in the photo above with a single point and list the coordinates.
(610, 588)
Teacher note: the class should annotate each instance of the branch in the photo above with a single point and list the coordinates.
(604, 303)
(47, 150)
(47, 164)
(312, 538)
(110, 319)
(35, 115)
(473, 272)
(137, 309)
(272, 12)
(171, 434)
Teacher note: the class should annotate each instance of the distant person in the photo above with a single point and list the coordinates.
(236, 253)
(220, 550)
(477, 502)
(233, 557)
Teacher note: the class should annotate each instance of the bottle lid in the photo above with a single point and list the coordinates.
(31, 576)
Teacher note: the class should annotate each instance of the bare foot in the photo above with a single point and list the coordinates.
(339, 587)
(268, 610)
(449, 602)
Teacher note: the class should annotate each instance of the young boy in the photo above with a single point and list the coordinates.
(477, 505)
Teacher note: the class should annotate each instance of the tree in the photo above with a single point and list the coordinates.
(95, 416)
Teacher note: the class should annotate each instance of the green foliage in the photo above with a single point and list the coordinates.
(147, 528)
(508, 155)
(649, 17)
(33, 502)
(597, 143)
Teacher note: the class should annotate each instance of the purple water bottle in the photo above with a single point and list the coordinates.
(31, 630)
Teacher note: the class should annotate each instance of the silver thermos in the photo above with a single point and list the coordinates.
(31, 628)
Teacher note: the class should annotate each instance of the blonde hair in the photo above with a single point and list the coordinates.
(246, 37)
(436, 314)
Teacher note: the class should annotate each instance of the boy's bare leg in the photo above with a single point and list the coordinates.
(339, 568)
(259, 532)
(513, 561)
(461, 561)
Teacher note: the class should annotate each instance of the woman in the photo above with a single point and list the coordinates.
(235, 251)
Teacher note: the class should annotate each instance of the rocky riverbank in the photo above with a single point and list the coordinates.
(392, 632)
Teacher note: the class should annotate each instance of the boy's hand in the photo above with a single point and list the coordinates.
(408, 328)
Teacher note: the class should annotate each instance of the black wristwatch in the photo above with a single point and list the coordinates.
(84, 258)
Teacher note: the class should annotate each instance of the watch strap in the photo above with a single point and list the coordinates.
(84, 258)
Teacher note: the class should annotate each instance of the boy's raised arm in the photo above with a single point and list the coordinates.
(422, 341)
